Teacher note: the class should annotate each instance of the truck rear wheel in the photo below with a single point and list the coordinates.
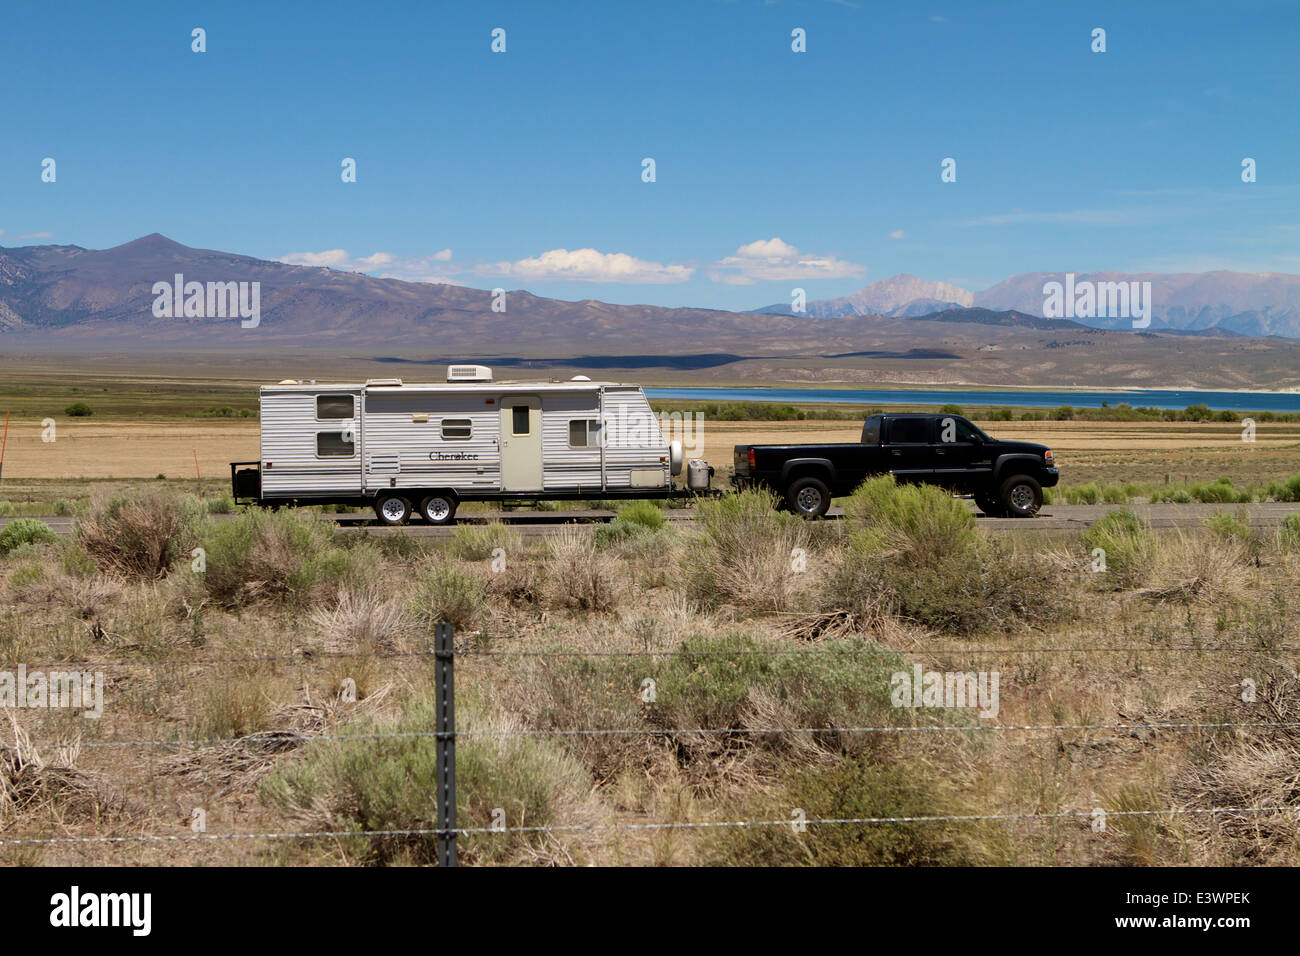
(1021, 496)
(392, 509)
(808, 497)
(438, 509)
(988, 504)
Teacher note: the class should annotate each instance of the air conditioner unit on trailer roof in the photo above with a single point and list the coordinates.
(469, 373)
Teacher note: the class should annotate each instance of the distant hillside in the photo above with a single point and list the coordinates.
(66, 298)
(1243, 303)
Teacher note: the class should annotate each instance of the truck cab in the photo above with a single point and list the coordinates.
(1005, 478)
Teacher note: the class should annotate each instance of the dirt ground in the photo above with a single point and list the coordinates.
(1086, 451)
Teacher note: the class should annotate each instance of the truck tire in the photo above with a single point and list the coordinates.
(392, 509)
(439, 509)
(1021, 496)
(808, 498)
(988, 503)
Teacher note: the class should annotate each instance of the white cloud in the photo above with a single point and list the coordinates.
(384, 265)
(773, 259)
(589, 265)
(897, 234)
(36, 235)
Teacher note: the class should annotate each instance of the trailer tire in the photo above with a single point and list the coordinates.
(439, 509)
(808, 497)
(392, 510)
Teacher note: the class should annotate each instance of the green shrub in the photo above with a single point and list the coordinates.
(712, 681)
(918, 523)
(220, 506)
(645, 513)
(1288, 490)
(444, 594)
(951, 409)
(913, 550)
(615, 531)
(78, 410)
(851, 789)
(1127, 544)
(141, 535)
(271, 555)
(1115, 495)
(1229, 527)
(1219, 492)
(24, 531)
(475, 542)
(1289, 532)
(387, 784)
(744, 553)
(1088, 494)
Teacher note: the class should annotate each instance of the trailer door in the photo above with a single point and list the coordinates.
(521, 443)
(337, 440)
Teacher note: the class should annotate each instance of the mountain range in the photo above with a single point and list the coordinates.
(1245, 303)
(905, 331)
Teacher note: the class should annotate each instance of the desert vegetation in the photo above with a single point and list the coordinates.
(274, 673)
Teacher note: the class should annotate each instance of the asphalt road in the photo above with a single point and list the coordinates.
(1052, 518)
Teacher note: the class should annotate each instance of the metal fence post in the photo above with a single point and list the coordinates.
(445, 703)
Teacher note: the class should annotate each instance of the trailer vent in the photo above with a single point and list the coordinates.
(469, 373)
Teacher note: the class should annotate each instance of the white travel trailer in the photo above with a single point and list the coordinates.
(408, 449)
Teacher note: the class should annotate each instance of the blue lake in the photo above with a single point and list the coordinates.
(1233, 401)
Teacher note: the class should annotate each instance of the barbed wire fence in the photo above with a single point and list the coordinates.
(444, 655)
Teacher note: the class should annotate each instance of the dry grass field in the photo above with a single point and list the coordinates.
(230, 690)
(285, 686)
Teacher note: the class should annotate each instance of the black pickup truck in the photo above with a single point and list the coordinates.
(1006, 478)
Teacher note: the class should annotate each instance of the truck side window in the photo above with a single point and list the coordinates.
(871, 431)
(333, 406)
(334, 445)
(909, 431)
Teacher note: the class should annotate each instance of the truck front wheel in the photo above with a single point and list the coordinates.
(1021, 496)
(808, 497)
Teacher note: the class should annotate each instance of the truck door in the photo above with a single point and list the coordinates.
(521, 443)
(908, 448)
(960, 457)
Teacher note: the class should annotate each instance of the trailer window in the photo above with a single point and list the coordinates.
(456, 429)
(334, 445)
(584, 433)
(334, 406)
(519, 419)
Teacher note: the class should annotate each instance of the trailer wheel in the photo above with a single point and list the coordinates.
(439, 509)
(392, 509)
(808, 498)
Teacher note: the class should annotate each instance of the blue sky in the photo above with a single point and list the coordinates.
(774, 169)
